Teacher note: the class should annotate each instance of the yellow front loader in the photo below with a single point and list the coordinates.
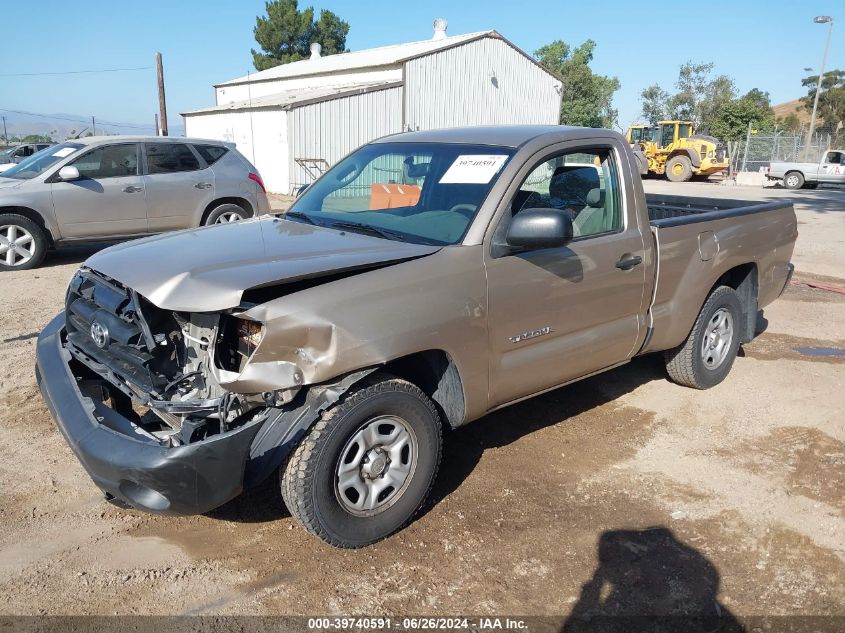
(674, 149)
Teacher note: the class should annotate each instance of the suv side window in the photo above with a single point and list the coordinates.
(168, 158)
(109, 161)
(583, 183)
(211, 153)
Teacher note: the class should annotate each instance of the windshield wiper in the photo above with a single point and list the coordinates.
(298, 215)
(368, 228)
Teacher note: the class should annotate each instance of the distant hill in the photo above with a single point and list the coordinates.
(792, 107)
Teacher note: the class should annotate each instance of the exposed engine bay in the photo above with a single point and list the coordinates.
(161, 367)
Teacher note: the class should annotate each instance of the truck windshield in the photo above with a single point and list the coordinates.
(418, 192)
(41, 161)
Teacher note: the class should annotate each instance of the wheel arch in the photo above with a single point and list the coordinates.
(436, 374)
(33, 215)
(744, 279)
(243, 203)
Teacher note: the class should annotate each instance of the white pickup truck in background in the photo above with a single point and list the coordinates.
(830, 169)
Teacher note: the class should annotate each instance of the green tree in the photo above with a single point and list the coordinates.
(655, 102)
(730, 122)
(831, 110)
(790, 123)
(587, 97)
(700, 95)
(698, 98)
(286, 33)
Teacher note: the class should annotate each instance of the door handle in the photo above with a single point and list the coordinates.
(628, 262)
(203, 185)
(132, 189)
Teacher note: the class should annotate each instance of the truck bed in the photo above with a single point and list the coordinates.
(665, 210)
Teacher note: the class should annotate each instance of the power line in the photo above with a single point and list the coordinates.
(76, 72)
(72, 120)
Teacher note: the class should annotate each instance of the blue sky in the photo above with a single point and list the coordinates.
(761, 43)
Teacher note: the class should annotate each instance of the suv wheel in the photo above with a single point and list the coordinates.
(226, 213)
(707, 355)
(22, 242)
(366, 467)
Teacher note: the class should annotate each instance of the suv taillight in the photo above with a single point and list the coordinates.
(257, 179)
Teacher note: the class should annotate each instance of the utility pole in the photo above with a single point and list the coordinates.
(162, 106)
(5, 133)
(156, 126)
(93, 127)
(747, 141)
(819, 19)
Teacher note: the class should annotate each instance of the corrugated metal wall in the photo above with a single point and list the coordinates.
(331, 129)
(485, 82)
(260, 136)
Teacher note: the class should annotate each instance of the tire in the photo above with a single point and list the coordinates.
(679, 168)
(225, 213)
(793, 180)
(344, 443)
(691, 364)
(811, 185)
(29, 242)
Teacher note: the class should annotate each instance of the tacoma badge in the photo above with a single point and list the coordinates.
(530, 334)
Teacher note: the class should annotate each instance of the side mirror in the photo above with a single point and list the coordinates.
(69, 172)
(300, 190)
(540, 228)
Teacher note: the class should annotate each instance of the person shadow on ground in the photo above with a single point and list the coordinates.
(647, 580)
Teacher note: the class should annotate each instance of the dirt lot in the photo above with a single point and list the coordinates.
(620, 494)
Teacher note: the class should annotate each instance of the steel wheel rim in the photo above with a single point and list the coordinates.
(792, 181)
(227, 217)
(718, 337)
(376, 465)
(17, 245)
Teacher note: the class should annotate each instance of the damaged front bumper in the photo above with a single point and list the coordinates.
(137, 469)
(128, 464)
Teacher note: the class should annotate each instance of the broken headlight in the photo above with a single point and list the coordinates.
(237, 340)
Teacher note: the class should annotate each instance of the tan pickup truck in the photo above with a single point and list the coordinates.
(425, 280)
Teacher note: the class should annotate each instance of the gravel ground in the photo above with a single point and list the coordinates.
(620, 494)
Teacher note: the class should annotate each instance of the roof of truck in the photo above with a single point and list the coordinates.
(499, 135)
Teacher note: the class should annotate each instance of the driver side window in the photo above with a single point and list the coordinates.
(585, 184)
(109, 161)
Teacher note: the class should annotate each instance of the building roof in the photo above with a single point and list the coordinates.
(291, 99)
(365, 58)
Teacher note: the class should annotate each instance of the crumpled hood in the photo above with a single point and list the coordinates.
(208, 269)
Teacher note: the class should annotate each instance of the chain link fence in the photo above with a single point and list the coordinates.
(756, 151)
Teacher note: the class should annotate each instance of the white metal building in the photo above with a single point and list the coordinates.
(294, 120)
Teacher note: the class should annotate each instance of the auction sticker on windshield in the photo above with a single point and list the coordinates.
(65, 151)
(476, 169)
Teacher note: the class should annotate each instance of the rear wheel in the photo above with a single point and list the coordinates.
(793, 180)
(679, 169)
(705, 358)
(23, 244)
(367, 466)
(226, 213)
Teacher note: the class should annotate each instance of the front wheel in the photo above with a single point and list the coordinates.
(23, 244)
(367, 466)
(679, 168)
(705, 358)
